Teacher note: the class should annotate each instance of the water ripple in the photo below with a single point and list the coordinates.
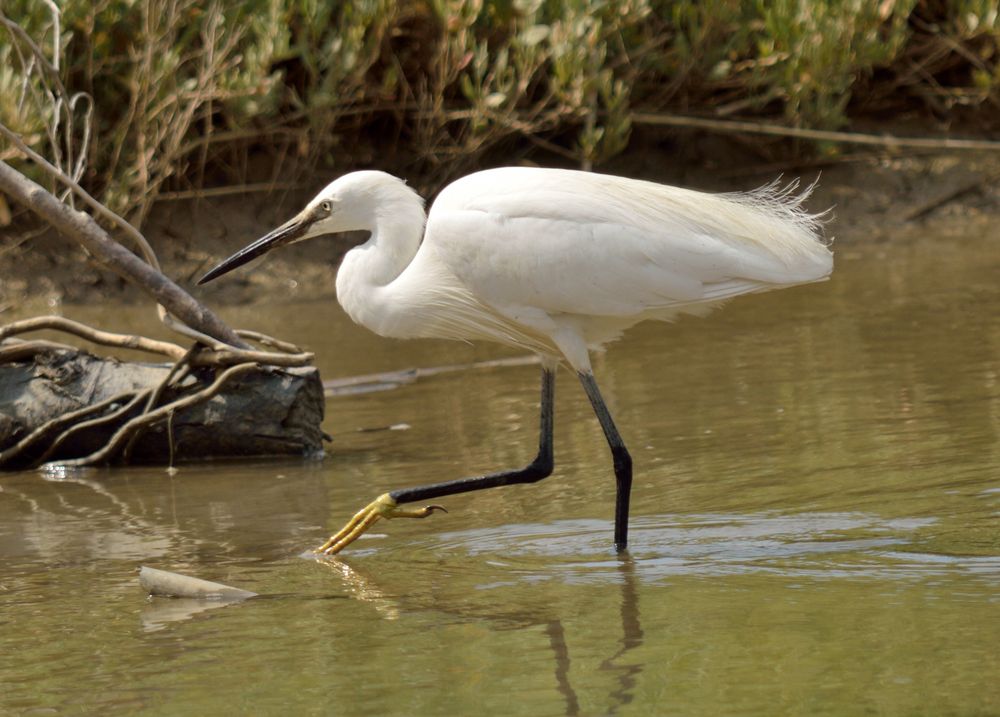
(815, 545)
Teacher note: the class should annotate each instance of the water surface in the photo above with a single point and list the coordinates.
(814, 527)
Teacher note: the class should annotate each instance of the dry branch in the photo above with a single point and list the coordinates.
(886, 140)
(115, 257)
(15, 350)
(102, 338)
(67, 419)
(177, 373)
(199, 323)
(147, 251)
(387, 380)
(122, 434)
(216, 357)
(78, 428)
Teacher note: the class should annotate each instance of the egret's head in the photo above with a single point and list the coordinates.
(353, 202)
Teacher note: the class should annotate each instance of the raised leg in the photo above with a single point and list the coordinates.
(620, 456)
(388, 505)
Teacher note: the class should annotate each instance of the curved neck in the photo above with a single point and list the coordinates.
(368, 269)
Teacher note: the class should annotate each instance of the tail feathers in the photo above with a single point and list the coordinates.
(718, 294)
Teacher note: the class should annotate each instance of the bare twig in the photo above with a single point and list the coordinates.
(102, 338)
(93, 423)
(170, 442)
(266, 340)
(14, 350)
(54, 96)
(199, 323)
(888, 141)
(373, 382)
(43, 61)
(179, 370)
(253, 188)
(9, 455)
(220, 356)
(147, 251)
(122, 434)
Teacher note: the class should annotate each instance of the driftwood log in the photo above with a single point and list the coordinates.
(59, 405)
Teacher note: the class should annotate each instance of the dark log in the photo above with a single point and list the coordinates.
(269, 411)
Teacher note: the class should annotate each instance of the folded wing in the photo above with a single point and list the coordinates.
(589, 244)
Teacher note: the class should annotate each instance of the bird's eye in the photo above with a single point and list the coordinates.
(326, 207)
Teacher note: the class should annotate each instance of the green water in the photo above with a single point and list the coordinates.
(815, 528)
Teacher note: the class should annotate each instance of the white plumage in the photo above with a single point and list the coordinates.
(559, 261)
(554, 261)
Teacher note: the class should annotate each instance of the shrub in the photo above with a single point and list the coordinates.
(185, 92)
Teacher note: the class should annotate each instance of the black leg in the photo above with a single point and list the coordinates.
(620, 456)
(539, 468)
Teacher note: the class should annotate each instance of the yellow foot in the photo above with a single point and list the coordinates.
(382, 507)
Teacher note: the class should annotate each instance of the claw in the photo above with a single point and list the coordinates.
(382, 507)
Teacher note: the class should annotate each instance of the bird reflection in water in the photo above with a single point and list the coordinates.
(363, 586)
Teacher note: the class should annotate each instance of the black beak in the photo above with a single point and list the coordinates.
(285, 234)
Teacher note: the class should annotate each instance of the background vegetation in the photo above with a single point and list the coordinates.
(172, 94)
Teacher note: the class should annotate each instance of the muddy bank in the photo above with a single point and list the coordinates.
(875, 198)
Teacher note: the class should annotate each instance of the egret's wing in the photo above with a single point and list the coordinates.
(580, 243)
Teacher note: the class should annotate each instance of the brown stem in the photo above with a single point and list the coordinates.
(218, 356)
(886, 140)
(103, 338)
(16, 350)
(266, 340)
(179, 370)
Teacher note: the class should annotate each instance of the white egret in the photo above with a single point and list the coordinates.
(558, 262)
